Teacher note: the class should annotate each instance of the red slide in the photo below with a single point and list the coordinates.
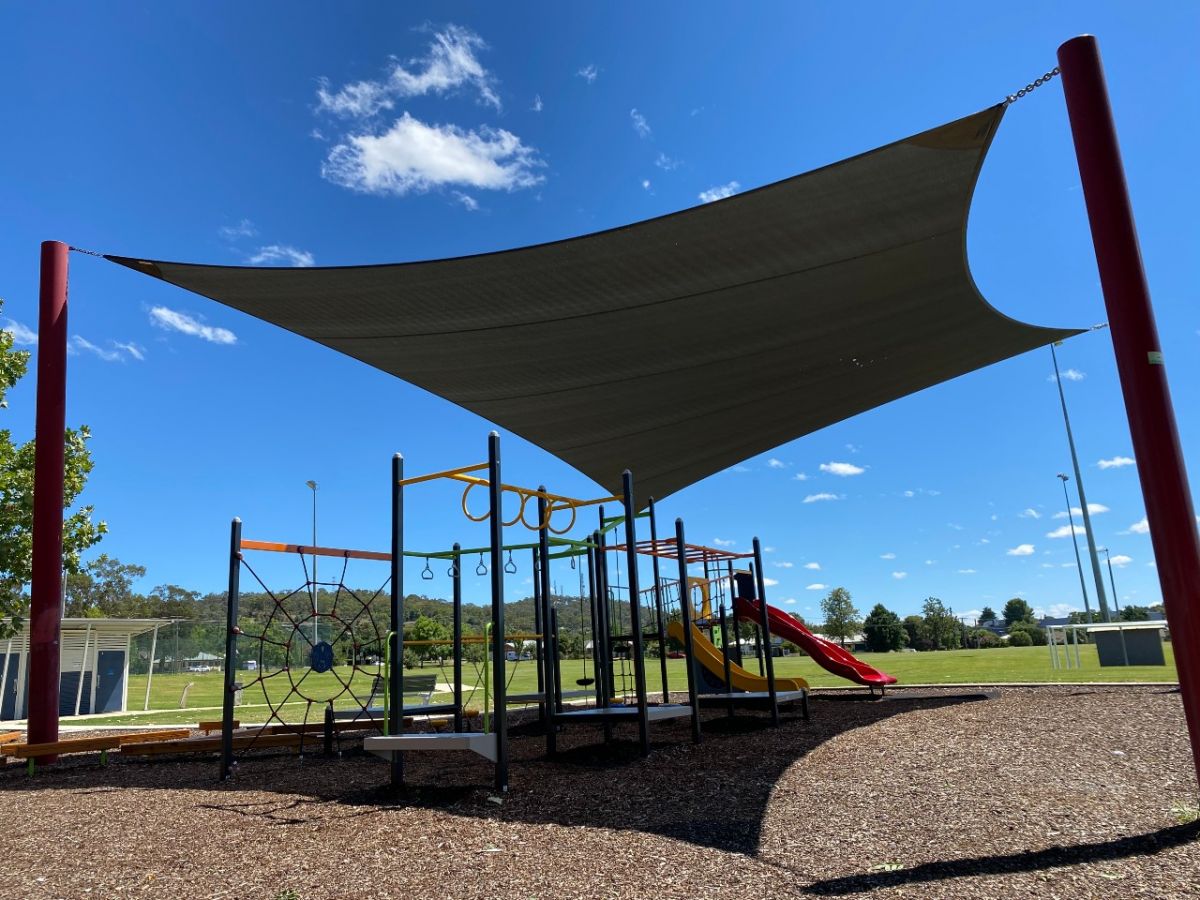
(825, 653)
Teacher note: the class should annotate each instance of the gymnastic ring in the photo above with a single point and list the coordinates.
(525, 523)
(550, 510)
(467, 512)
(520, 516)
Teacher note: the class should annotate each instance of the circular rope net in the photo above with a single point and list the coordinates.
(312, 652)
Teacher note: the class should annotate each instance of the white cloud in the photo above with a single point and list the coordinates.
(537, 103)
(589, 73)
(720, 192)
(931, 562)
(1070, 375)
(842, 469)
(853, 448)
(412, 156)
(774, 463)
(770, 582)
(115, 354)
(741, 469)
(640, 125)
(789, 601)
(1116, 462)
(815, 566)
(910, 493)
(1021, 550)
(785, 565)
(469, 203)
(21, 335)
(817, 586)
(966, 571)
(665, 162)
(899, 576)
(1064, 531)
(768, 549)
(817, 498)
(1094, 509)
(718, 542)
(801, 476)
(281, 254)
(887, 556)
(645, 184)
(1030, 513)
(1121, 560)
(173, 320)
(450, 64)
(1142, 526)
(243, 229)
(138, 353)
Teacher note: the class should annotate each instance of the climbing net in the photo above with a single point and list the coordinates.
(315, 653)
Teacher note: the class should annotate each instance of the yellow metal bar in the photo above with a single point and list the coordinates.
(449, 473)
(531, 492)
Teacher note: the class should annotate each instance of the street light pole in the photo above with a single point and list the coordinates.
(316, 586)
(1083, 505)
(1074, 543)
(1111, 580)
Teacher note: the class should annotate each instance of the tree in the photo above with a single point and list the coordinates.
(1037, 635)
(1017, 610)
(427, 629)
(883, 630)
(988, 615)
(841, 618)
(941, 629)
(104, 587)
(1135, 614)
(913, 626)
(16, 500)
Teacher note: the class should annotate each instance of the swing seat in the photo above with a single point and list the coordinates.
(585, 682)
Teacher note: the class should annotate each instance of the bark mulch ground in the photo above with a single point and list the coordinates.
(1043, 792)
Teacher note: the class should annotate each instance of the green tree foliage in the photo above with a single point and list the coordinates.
(1017, 610)
(941, 629)
(913, 627)
(104, 587)
(883, 630)
(982, 639)
(988, 615)
(16, 499)
(1037, 636)
(1135, 613)
(1019, 638)
(842, 620)
(428, 629)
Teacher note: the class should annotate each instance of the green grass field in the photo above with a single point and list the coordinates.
(1008, 664)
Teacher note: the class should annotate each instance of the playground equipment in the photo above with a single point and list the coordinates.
(785, 257)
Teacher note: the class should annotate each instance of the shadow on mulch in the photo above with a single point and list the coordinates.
(1012, 863)
(713, 794)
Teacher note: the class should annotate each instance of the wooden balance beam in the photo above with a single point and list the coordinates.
(32, 752)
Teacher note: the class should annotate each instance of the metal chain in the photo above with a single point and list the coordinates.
(88, 252)
(1029, 88)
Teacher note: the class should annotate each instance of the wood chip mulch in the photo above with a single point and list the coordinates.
(1045, 792)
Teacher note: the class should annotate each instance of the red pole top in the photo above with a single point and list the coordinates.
(1140, 363)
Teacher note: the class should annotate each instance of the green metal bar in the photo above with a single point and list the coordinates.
(487, 681)
(387, 677)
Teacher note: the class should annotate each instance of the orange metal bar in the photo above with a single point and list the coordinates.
(448, 473)
(275, 547)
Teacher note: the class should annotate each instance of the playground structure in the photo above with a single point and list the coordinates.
(693, 255)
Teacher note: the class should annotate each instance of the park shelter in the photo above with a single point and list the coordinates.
(94, 674)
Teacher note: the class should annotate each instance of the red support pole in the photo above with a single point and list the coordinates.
(45, 617)
(1168, 498)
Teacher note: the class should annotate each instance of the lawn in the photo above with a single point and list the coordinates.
(1007, 664)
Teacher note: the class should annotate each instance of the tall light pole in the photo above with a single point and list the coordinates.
(316, 587)
(1074, 543)
(1083, 506)
(1111, 580)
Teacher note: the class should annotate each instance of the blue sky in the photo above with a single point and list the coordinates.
(308, 133)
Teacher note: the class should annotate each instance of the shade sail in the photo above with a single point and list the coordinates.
(679, 346)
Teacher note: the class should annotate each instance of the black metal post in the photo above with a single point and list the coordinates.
(539, 645)
(557, 680)
(725, 657)
(733, 593)
(395, 723)
(231, 635)
(765, 626)
(328, 729)
(685, 612)
(456, 636)
(591, 574)
(658, 605)
(603, 645)
(635, 613)
(551, 679)
(500, 687)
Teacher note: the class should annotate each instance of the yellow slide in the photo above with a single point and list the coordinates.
(709, 656)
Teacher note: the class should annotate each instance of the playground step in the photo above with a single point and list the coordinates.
(475, 741)
(624, 713)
